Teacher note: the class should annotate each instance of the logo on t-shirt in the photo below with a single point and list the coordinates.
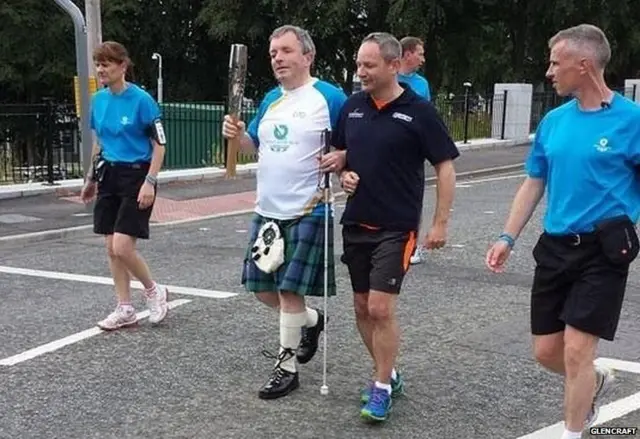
(281, 142)
(603, 145)
(280, 131)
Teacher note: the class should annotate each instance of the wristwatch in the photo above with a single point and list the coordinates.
(151, 179)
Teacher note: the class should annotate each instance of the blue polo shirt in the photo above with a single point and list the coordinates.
(122, 123)
(387, 148)
(417, 82)
(588, 161)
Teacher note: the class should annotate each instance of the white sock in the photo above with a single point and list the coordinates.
(290, 326)
(571, 434)
(384, 386)
(127, 307)
(312, 318)
(394, 374)
(151, 292)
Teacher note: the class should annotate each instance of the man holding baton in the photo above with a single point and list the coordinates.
(284, 261)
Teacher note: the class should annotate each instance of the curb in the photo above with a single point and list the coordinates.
(69, 188)
(56, 234)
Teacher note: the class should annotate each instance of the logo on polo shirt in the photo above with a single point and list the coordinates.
(402, 116)
(299, 115)
(356, 114)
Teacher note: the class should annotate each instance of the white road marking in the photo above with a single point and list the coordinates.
(74, 338)
(626, 366)
(463, 185)
(212, 294)
(457, 245)
(502, 177)
(609, 412)
(488, 212)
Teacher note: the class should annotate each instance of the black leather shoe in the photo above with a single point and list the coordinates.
(281, 382)
(309, 342)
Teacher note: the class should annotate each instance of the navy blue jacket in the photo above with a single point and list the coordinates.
(387, 148)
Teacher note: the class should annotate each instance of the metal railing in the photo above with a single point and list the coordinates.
(467, 117)
(543, 102)
(41, 142)
(38, 143)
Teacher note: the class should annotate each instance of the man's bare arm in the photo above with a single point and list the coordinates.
(446, 187)
(524, 204)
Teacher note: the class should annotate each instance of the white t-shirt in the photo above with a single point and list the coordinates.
(288, 132)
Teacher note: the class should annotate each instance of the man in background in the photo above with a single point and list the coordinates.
(412, 60)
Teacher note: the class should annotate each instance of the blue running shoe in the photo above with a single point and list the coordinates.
(378, 407)
(397, 388)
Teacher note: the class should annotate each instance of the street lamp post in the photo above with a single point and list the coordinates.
(467, 88)
(157, 56)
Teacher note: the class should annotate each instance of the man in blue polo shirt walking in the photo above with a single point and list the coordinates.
(388, 132)
(585, 155)
(412, 60)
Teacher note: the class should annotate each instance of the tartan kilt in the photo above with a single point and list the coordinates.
(303, 269)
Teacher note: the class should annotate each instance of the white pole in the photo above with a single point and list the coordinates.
(160, 85)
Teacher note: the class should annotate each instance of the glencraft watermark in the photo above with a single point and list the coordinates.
(614, 431)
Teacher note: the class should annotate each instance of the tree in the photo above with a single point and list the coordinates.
(31, 68)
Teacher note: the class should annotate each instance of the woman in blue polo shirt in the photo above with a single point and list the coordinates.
(127, 158)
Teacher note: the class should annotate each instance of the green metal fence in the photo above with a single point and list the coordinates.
(194, 130)
(41, 142)
(194, 134)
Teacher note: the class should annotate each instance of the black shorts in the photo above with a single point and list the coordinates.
(576, 284)
(377, 259)
(116, 209)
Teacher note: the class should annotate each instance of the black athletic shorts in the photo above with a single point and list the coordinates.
(116, 209)
(576, 284)
(376, 259)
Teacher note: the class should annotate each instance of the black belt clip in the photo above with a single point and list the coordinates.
(99, 169)
(578, 239)
(575, 240)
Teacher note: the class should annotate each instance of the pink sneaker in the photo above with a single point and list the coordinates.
(120, 318)
(157, 303)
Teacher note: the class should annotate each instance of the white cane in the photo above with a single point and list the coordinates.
(324, 390)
